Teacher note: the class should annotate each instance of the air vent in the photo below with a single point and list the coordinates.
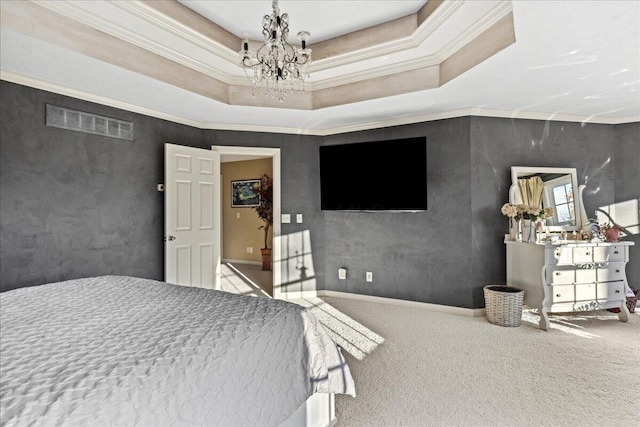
(65, 118)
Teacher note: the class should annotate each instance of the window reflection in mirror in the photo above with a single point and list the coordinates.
(558, 193)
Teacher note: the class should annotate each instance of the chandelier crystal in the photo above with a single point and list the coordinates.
(277, 67)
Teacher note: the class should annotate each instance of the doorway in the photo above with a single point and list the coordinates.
(240, 239)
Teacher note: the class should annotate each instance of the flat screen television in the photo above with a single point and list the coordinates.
(386, 175)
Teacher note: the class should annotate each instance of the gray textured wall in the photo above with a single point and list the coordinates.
(626, 157)
(496, 145)
(415, 256)
(74, 205)
(447, 254)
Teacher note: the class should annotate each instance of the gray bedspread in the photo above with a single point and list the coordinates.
(124, 351)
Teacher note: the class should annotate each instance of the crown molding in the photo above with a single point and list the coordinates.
(162, 20)
(158, 15)
(69, 10)
(373, 73)
(148, 13)
(440, 15)
(378, 124)
(485, 23)
(35, 83)
(479, 27)
(553, 117)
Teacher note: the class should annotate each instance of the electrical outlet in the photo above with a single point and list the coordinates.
(299, 218)
(369, 276)
(286, 218)
(342, 273)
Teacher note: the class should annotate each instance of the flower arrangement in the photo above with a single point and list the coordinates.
(522, 211)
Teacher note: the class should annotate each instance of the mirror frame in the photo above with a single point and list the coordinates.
(514, 192)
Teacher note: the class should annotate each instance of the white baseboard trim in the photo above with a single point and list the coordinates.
(299, 294)
(240, 261)
(460, 311)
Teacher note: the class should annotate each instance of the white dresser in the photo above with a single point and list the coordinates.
(572, 276)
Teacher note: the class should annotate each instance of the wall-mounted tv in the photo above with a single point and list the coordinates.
(386, 175)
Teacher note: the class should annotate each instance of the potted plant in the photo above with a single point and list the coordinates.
(265, 213)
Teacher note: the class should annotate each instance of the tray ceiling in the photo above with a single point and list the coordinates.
(396, 62)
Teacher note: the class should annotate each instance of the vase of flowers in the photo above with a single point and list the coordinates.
(526, 218)
(511, 212)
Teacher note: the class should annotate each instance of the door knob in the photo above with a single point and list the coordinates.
(170, 238)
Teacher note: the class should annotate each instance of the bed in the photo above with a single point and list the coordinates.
(117, 350)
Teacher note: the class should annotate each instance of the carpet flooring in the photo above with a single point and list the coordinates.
(414, 367)
(434, 369)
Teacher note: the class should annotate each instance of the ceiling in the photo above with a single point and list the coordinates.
(376, 63)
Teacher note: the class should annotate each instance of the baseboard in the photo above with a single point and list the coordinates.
(240, 261)
(460, 311)
(299, 294)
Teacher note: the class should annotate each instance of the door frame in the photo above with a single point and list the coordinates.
(276, 250)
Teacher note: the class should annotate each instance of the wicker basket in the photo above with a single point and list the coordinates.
(503, 305)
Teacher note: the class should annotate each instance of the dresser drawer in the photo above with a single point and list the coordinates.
(586, 292)
(586, 275)
(611, 291)
(583, 255)
(561, 277)
(613, 272)
(609, 254)
(560, 255)
(563, 293)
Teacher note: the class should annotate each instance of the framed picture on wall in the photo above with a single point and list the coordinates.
(245, 193)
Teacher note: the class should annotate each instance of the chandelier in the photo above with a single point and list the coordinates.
(278, 67)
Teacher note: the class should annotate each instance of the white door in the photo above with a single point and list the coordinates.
(192, 185)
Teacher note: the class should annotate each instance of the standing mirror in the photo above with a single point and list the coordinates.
(560, 192)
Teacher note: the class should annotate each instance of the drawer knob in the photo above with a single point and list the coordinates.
(558, 273)
(617, 271)
(615, 252)
(617, 291)
(558, 295)
(588, 253)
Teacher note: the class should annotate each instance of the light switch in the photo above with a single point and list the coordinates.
(299, 218)
(342, 273)
(286, 218)
(237, 214)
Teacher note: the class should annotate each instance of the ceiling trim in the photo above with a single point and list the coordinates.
(98, 99)
(75, 28)
(171, 16)
(166, 16)
(479, 27)
(426, 117)
(68, 10)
